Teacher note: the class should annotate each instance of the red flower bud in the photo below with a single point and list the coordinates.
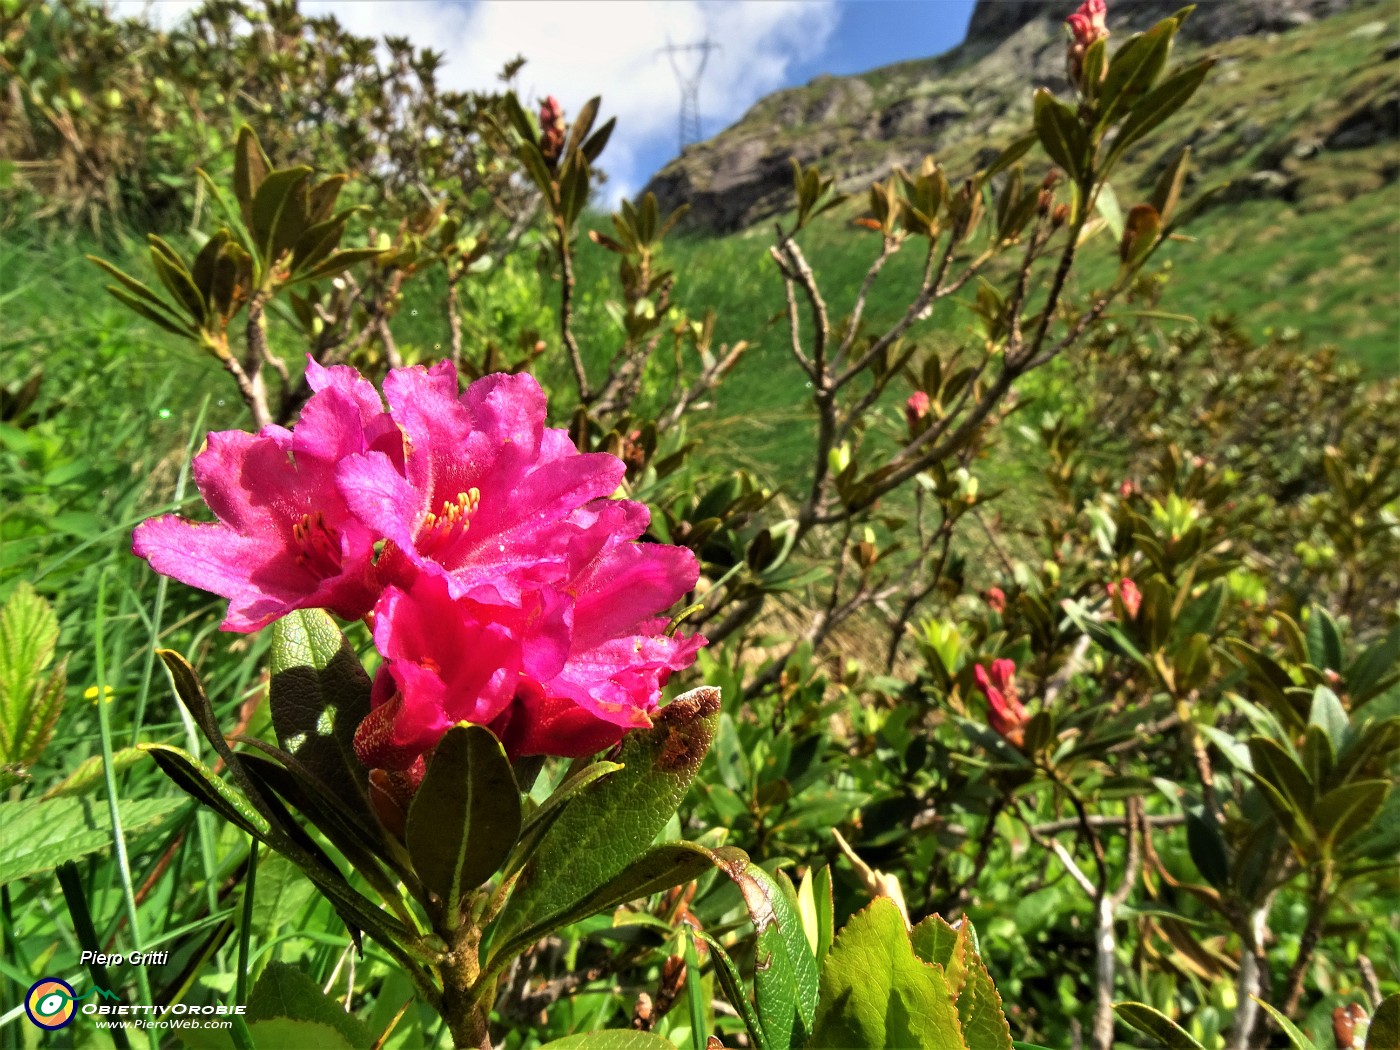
(1086, 27)
(1006, 714)
(1088, 24)
(552, 128)
(1126, 591)
(916, 409)
(996, 600)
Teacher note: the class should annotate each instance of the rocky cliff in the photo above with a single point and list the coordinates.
(966, 102)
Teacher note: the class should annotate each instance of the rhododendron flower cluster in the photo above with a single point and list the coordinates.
(1006, 714)
(502, 585)
(1087, 26)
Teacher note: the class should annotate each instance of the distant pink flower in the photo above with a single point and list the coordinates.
(1089, 22)
(1086, 26)
(284, 538)
(996, 600)
(1126, 591)
(485, 493)
(1128, 488)
(1006, 714)
(916, 410)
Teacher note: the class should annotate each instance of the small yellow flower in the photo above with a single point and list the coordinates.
(90, 693)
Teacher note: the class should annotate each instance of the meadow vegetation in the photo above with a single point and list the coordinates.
(1049, 576)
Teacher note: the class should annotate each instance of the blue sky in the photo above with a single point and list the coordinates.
(579, 48)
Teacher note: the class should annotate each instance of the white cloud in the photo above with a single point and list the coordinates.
(580, 48)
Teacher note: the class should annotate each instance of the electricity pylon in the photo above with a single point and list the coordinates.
(689, 82)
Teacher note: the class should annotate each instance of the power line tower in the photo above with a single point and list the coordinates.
(689, 81)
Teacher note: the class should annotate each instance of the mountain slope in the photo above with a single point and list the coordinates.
(1305, 101)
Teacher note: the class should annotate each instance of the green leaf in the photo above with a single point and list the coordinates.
(319, 695)
(89, 773)
(1385, 1025)
(285, 834)
(661, 868)
(202, 269)
(732, 984)
(41, 834)
(321, 200)
(786, 980)
(167, 321)
(1133, 70)
(1207, 847)
(1163, 101)
(200, 783)
(980, 1013)
(612, 1039)
(466, 815)
(1200, 614)
(1061, 134)
(1107, 204)
(1324, 640)
(273, 198)
(611, 821)
(1349, 809)
(1156, 1024)
(529, 155)
(1296, 1039)
(934, 940)
(1281, 770)
(363, 843)
(277, 1033)
(171, 270)
(285, 991)
(1328, 715)
(250, 167)
(339, 262)
(979, 1004)
(817, 909)
(515, 113)
(582, 125)
(1375, 669)
(1165, 197)
(31, 696)
(130, 283)
(875, 992)
(542, 818)
(595, 143)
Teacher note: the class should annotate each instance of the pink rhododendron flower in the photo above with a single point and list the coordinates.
(485, 492)
(1126, 591)
(502, 587)
(1007, 715)
(916, 410)
(567, 674)
(447, 661)
(1089, 22)
(996, 600)
(1086, 26)
(284, 538)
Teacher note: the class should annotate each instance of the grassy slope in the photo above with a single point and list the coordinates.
(1325, 261)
